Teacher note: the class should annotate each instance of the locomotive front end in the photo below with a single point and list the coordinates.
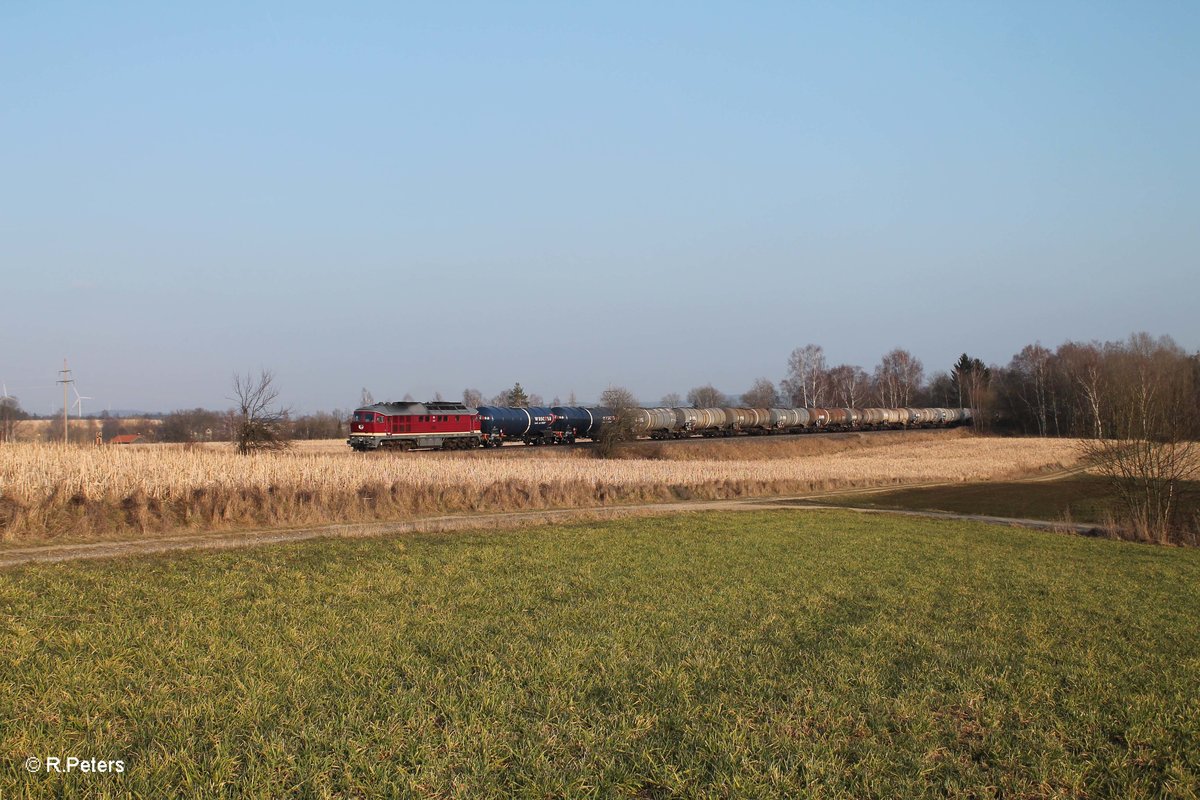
(367, 429)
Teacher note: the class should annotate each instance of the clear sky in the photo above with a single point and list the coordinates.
(422, 197)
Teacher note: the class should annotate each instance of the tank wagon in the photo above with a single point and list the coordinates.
(498, 425)
(579, 422)
(447, 426)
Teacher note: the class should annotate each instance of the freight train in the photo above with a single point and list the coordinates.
(454, 426)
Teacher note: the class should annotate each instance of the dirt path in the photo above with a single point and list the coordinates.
(11, 557)
(457, 522)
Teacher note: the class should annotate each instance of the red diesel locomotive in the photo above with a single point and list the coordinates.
(450, 426)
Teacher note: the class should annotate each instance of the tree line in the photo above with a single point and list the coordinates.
(1079, 389)
(1072, 391)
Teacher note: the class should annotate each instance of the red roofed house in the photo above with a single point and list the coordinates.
(127, 438)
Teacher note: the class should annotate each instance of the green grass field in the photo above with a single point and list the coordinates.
(775, 654)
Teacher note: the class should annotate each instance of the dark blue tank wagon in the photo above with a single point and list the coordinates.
(529, 425)
(580, 422)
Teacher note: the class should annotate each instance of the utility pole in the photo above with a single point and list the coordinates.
(65, 380)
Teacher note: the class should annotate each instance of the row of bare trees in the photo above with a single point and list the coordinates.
(516, 397)
(206, 425)
(1135, 404)
(896, 382)
(1144, 406)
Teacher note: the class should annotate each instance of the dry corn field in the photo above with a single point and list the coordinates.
(51, 491)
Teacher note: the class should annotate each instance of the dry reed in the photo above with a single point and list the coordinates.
(51, 491)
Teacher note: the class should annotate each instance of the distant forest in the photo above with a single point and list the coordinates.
(1080, 389)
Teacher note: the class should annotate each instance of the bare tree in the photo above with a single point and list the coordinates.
(940, 391)
(805, 384)
(10, 412)
(623, 404)
(973, 380)
(1084, 367)
(111, 426)
(1029, 376)
(190, 425)
(707, 396)
(320, 425)
(671, 400)
(516, 397)
(761, 394)
(849, 385)
(75, 431)
(897, 378)
(472, 398)
(1150, 448)
(617, 397)
(261, 424)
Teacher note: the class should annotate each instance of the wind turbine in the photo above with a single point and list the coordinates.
(79, 398)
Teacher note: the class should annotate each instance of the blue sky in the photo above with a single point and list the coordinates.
(422, 198)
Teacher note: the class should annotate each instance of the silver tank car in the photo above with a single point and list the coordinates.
(737, 418)
(762, 419)
(657, 422)
(686, 419)
(711, 419)
(779, 418)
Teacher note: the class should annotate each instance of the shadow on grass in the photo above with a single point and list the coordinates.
(1081, 498)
